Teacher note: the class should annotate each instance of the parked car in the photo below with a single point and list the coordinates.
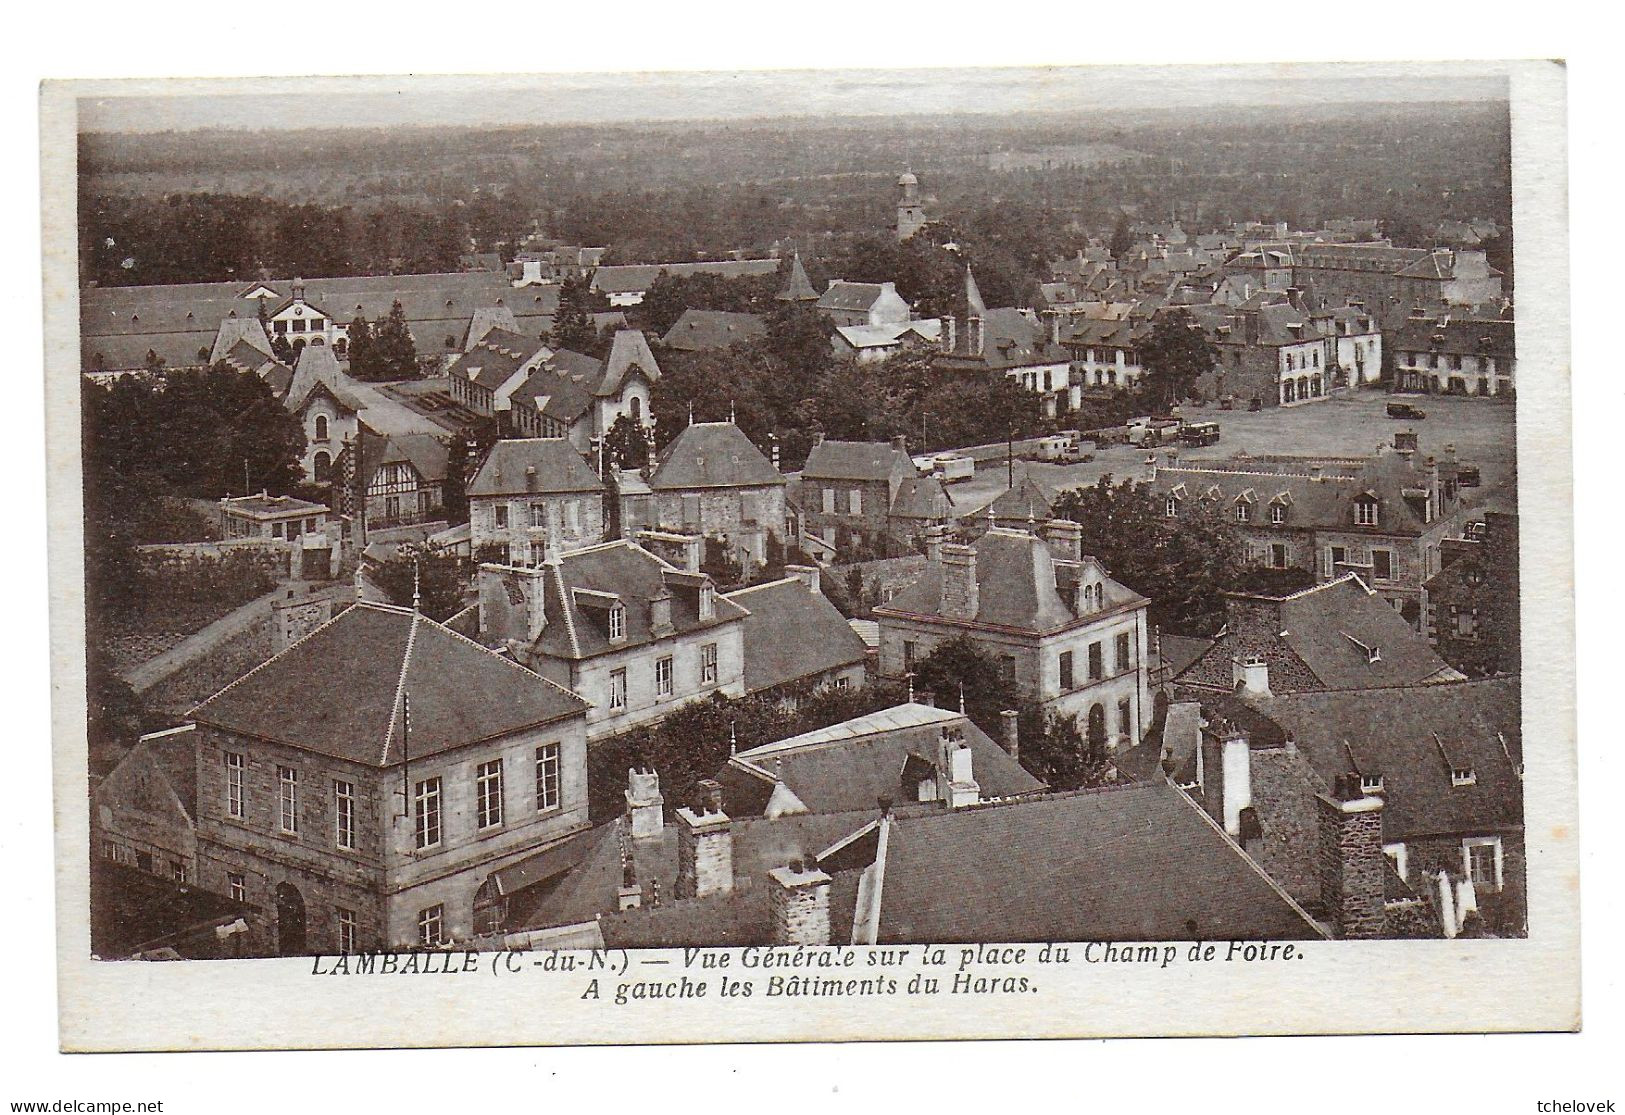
(1406, 411)
(1199, 433)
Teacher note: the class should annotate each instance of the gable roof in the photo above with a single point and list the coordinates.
(922, 497)
(712, 455)
(851, 765)
(793, 632)
(635, 278)
(341, 691)
(705, 330)
(843, 295)
(1341, 632)
(426, 453)
(317, 366)
(235, 331)
(1411, 737)
(559, 467)
(1135, 863)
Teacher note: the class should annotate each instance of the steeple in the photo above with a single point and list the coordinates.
(798, 288)
(974, 306)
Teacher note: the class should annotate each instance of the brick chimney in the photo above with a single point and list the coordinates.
(1009, 722)
(798, 899)
(950, 333)
(705, 852)
(807, 575)
(1226, 774)
(1065, 539)
(1350, 864)
(956, 783)
(644, 803)
(959, 588)
(1250, 676)
(512, 602)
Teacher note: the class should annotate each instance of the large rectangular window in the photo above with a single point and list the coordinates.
(1382, 564)
(344, 813)
(617, 689)
(237, 886)
(1066, 669)
(488, 793)
(1124, 658)
(287, 780)
(234, 784)
(855, 501)
(426, 813)
(547, 777)
(1097, 662)
(663, 677)
(708, 664)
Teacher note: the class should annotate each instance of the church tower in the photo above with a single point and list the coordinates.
(910, 213)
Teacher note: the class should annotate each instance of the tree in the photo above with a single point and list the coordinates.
(1180, 564)
(395, 354)
(572, 327)
(363, 354)
(436, 579)
(1175, 354)
(626, 445)
(454, 494)
(1122, 237)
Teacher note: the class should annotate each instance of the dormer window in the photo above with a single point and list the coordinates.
(1365, 513)
(708, 601)
(617, 622)
(1371, 783)
(1171, 508)
(1277, 514)
(1463, 776)
(1244, 513)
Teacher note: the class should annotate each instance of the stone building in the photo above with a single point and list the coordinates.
(796, 642)
(367, 787)
(845, 303)
(531, 496)
(1064, 632)
(712, 482)
(402, 478)
(330, 414)
(144, 813)
(1472, 602)
(910, 209)
(847, 490)
(633, 634)
(1384, 517)
(1450, 355)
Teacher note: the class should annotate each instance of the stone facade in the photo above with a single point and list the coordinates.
(521, 525)
(1351, 864)
(704, 852)
(799, 900)
(385, 882)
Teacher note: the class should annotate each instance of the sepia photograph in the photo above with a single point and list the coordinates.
(915, 537)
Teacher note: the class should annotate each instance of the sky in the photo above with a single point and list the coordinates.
(283, 103)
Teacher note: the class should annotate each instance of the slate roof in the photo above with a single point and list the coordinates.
(1341, 632)
(318, 367)
(706, 330)
(856, 460)
(340, 691)
(851, 765)
(426, 453)
(797, 288)
(559, 466)
(1412, 736)
(1009, 340)
(843, 295)
(922, 497)
(495, 357)
(1027, 501)
(1016, 580)
(133, 912)
(122, 323)
(559, 396)
(633, 278)
(712, 455)
(1457, 336)
(884, 336)
(576, 629)
(1139, 862)
(628, 353)
(236, 331)
(792, 633)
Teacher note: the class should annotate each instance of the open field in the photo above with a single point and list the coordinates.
(1482, 431)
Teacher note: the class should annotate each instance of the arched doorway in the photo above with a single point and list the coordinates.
(290, 920)
(1096, 732)
(489, 908)
(324, 467)
(635, 407)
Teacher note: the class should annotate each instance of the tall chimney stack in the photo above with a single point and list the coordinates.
(1010, 721)
(704, 852)
(798, 899)
(644, 803)
(959, 586)
(1065, 539)
(1227, 776)
(1351, 864)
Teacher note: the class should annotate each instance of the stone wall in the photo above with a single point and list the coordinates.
(1351, 865)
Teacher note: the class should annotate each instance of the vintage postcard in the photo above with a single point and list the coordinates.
(787, 556)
